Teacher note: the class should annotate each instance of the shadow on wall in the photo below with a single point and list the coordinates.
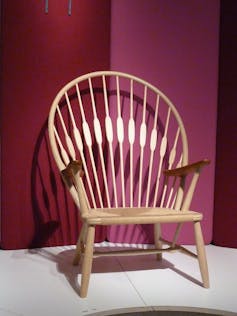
(55, 217)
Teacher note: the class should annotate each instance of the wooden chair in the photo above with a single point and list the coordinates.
(122, 150)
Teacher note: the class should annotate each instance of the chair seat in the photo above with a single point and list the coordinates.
(141, 215)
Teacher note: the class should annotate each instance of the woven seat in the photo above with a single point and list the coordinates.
(138, 216)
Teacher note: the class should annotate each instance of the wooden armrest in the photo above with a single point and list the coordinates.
(72, 168)
(183, 171)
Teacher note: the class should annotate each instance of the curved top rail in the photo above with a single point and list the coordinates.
(91, 132)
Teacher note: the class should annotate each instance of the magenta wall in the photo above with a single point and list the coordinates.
(174, 45)
(40, 53)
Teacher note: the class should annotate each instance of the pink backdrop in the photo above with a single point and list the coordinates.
(174, 45)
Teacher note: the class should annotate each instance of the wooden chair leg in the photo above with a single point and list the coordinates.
(157, 239)
(80, 246)
(201, 254)
(87, 261)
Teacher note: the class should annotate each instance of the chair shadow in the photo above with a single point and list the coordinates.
(55, 217)
(113, 264)
(44, 225)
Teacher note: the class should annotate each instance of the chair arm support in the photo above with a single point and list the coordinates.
(183, 171)
(72, 175)
(72, 168)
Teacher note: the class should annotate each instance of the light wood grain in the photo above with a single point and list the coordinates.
(127, 166)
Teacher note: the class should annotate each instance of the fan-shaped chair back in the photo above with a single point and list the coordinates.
(125, 131)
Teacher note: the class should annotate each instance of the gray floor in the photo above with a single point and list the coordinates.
(43, 282)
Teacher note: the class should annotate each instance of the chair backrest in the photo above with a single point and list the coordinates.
(125, 131)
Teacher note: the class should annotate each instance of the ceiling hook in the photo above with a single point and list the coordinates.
(69, 7)
(46, 6)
